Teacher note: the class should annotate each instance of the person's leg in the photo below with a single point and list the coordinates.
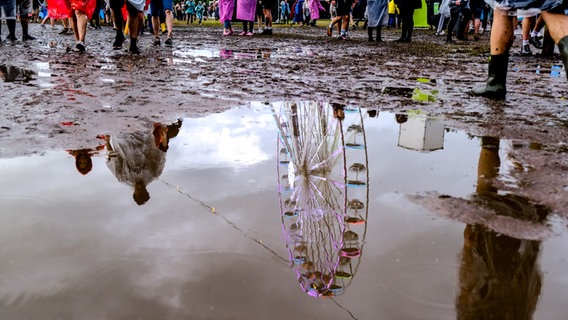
(454, 17)
(527, 25)
(169, 22)
(344, 25)
(11, 23)
(24, 21)
(410, 25)
(404, 24)
(534, 38)
(331, 23)
(135, 18)
(156, 29)
(557, 24)
(500, 43)
(118, 21)
(80, 21)
(267, 20)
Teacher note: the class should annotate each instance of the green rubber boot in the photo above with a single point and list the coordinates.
(494, 88)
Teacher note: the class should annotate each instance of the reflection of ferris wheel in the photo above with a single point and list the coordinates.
(323, 191)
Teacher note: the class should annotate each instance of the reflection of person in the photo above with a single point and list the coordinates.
(138, 158)
(83, 161)
(499, 277)
(502, 35)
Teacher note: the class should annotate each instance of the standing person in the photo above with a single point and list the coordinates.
(298, 12)
(284, 11)
(135, 9)
(306, 13)
(199, 12)
(315, 7)
(25, 9)
(377, 11)
(393, 14)
(502, 36)
(8, 12)
(406, 8)
(226, 9)
(79, 12)
(476, 7)
(157, 8)
(190, 11)
(267, 12)
(343, 8)
(457, 8)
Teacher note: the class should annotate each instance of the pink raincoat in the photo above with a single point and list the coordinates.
(315, 7)
(245, 10)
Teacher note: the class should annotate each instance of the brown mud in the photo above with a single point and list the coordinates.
(56, 99)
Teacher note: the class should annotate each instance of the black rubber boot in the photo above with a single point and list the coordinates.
(25, 27)
(403, 36)
(370, 33)
(11, 23)
(379, 36)
(409, 35)
(563, 47)
(494, 88)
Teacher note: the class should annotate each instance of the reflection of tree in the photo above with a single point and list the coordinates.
(138, 158)
(314, 197)
(499, 276)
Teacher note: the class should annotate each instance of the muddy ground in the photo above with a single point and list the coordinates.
(63, 100)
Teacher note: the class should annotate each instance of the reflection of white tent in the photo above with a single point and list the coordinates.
(421, 133)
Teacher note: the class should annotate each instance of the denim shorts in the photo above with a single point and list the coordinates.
(157, 7)
(8, 9)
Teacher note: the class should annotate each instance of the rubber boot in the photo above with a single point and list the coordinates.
(11, 23)
(563, 48)
(403, 36)
(379, 37)
(370, 33)
(25, 27)
(408, 35)
(494, 88)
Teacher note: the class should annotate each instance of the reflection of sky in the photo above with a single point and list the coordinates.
(233, 138)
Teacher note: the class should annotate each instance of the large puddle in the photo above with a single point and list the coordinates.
(288, 211)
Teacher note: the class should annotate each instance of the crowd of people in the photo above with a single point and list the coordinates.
(453, 17)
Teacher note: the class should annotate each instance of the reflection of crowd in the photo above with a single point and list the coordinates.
(135, 158)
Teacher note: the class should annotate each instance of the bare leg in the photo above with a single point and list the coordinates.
(156, 26)
(557, 25)
(501, 33)
(80, 21)
(169, 22)
(134, 24)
